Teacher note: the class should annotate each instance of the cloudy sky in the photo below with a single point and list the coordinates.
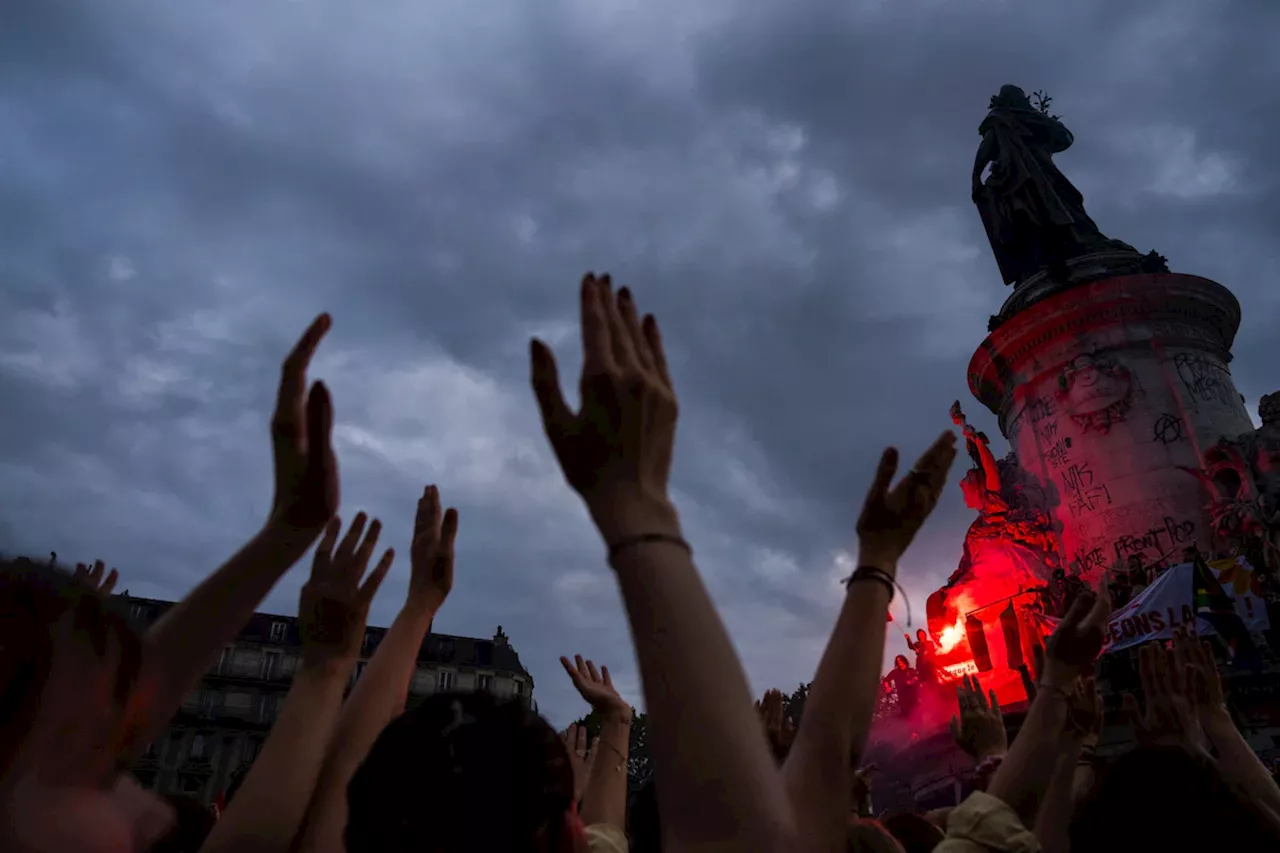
(784, 182)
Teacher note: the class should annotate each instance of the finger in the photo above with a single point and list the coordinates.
(324, 550)
(624, 355)
(361, 558)
(319, 427)
(995, 705)
(426, 522)
(81, 572)
(95, 574)
(293, 379)
(979, 697)
(955, 728)
(597, 348)
(110, 583)
(1080, 609)
(566, 738)
(347, 546)
(653, 337)
(608, 680)
(582, 667)
(375, 578)
(631, 322)
(1101, 610)
(580, 740)
(591, 669)
(936, 461)
(449, 530)
(557, 417)
(884, 475)
(569, 668)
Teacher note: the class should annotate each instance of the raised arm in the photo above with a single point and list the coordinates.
(842, 699)
(718, 786)
(604, 796)
(269, 809)
(380, 694)
(184, 642)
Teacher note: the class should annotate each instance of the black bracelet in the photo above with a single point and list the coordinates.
(871, 573)
(646, 539)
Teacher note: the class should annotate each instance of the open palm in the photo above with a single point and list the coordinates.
(595, 686)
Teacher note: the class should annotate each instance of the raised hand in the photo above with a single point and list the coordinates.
(581, 757)
(979, 728)
(616, 451)
(1074, 648)
(335, 602)
(1170, 717)
(306, 470)
(596, 687)
(892, 516)
(431, 554)
(93, 579)
(778, 727)
(1204, 685)
(1086, 710)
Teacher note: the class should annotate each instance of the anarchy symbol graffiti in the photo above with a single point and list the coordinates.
(1169, 429)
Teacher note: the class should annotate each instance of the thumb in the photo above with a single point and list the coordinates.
(556, 415)
(955, 728)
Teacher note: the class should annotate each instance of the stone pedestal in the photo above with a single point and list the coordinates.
(1109, 392)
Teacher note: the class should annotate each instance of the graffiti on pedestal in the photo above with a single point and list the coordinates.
(1085, 492)
(1242, 478)
(1206, 379)
(1096, 392)
(1158, 542)
(1169, 429)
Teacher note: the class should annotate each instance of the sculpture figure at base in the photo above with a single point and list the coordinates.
(1034, 217)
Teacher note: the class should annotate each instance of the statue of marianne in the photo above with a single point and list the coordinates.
(1034, 217)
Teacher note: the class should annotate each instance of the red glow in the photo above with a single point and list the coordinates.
(950, 636)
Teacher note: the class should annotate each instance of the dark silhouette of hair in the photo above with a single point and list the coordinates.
(1156, 798)
(643, 824)
(32, 598)
(914, 832)
(495, 770)
(192, 825)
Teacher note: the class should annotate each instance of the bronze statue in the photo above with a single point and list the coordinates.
(1034, 217)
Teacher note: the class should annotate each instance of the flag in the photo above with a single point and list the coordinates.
(978, 643)
(1012, 637)
(1218, 611)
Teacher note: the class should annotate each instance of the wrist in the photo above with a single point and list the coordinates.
(419, 608)
(619, 518)
(322, 668)
(616, 716)
(1056, 677)
(879, 558)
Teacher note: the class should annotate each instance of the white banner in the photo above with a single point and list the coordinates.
(1168, 604)
(1153, 615)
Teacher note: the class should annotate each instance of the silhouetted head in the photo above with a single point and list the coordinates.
(643, 825)
(1010, 98)
(915, 833)
(868, 836)
(922, 635)
(1135, 563)
(68, 667)
(901, 662)
(1269, 409)
(1059, 574)
(1164, 798)
(464, 771)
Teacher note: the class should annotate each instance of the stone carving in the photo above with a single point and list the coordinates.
(1242, 478)
(1096, 391)
(1034, 217)
(1010, 547)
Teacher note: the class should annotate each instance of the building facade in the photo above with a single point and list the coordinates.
(223, 724)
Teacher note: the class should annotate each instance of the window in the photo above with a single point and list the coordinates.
(277, 631)
(444, 680)
(138, 612)
(519, 688)
(252, 747)
(270, 665)
(210, 702)
(484, 683)
(191, 785)
(446, 650)
(267, 705)
(197, 746)
(224, 661)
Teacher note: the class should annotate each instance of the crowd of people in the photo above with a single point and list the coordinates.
(86, 691)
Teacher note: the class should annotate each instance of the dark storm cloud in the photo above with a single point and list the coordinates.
(785, 183)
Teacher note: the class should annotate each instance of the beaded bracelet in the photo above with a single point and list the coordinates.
(646, 539)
